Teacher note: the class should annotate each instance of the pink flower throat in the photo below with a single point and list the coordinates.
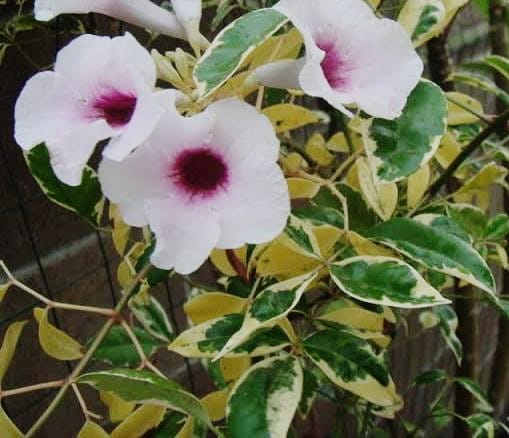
(199, 172)
(115, 107)
(335, 68)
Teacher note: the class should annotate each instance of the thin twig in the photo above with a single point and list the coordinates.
(31, 388)
(53, 304)
(90, 352)
(145, 362)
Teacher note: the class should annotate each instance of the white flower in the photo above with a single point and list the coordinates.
(202, 182)
(141, 13)
(100, 88)
(352, 57)
(188, 13)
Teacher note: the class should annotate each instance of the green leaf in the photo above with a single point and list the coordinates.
(268, 308)
(431, 376)
(448, 325)
(473, 388)
(209, 338)
(86, 199)
(436, 250)
(385, 281)
(398, 148)
(497, 228)
(146, 387)
(318, 215)
(170, 426)
(263, 402)
(361, 217)
(310, 386)
(302, 237)
(482, 426)
(152, 317)
(232, 46)
(117, 348)
(470, 218)
(351, 363)
(444, 223)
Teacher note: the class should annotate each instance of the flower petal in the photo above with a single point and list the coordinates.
(142, 13)
(185, 233)
(258, 206)
(240, 128)
(353, 57)
(279, 74)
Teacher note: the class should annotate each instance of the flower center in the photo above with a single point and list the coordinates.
(199, 171)
(115, 107)
(334, 66)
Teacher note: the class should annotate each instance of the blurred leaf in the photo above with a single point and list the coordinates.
(140, 422)
(9, 343)
(118, 408)
(92, 430)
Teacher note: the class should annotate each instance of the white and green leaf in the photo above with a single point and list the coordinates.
(87, 199)
(352, 364)
(448, 325)
(232, 46)
(206, 340)
(145, 387)
(152, 317)
(268, 308)
(436, 250)
(385, 281)
(398, 148)
(264, 400)
(422, 19)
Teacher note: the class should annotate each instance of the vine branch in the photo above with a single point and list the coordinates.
(90, 352)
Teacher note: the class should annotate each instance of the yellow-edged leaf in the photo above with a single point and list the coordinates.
(293, 162)
(275, 48)
(139, 422)
(317, 150)
(422, 19)
(3, 291)
(215, 403)
(55, 342)
(220, 260)
(382, 198)
(301, 188)
(346, 312)
(490, 174)
(8, 348)
(287, 116)
(213, 305)
(338, 143)
(458, 115)
(365, 247)
(449, 149)
(118, 409)
(92, 430)
(417, 185)
(233, 367)
(120, 232)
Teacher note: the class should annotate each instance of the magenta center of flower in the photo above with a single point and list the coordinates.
(200, 171)
(115, 107)
(335, 68)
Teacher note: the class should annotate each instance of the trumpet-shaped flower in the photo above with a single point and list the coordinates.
(188, 13)
(100, 88)
(200, 182)
(141, 13)
(352, 57)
